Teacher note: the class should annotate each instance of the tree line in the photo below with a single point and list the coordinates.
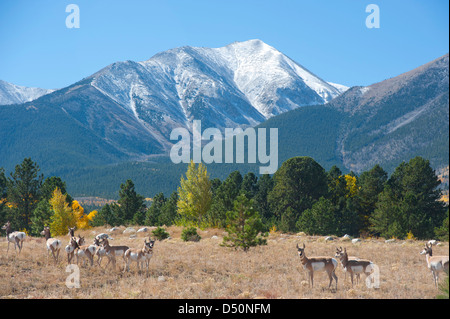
(300, 196)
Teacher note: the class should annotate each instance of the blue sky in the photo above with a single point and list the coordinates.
(329, 37)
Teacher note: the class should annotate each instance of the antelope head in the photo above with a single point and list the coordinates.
(46, 232)
(427, 250)
(301, 251)
(339, 252)
(7, 226)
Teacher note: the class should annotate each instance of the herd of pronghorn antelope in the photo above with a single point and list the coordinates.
(83, 252)
(101, 248)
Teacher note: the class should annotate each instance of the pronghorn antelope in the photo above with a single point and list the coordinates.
(53, 245)
(85, 252)
(72, 231)
(100, 251)
(14, 237)
(436, 264)
(312, 264)
(72, 246)
(70, 249)
(338, 255)
(113, 251)
(140, 256)
(354, 266)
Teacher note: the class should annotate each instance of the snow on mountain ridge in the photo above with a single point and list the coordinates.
(241, 84)
(15, 94)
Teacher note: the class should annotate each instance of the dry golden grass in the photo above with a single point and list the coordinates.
(207, 270)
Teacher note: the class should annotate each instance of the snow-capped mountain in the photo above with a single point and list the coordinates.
(127, 110)
(241, 84)
(15, 94)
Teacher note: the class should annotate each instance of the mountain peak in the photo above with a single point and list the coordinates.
(15, 94)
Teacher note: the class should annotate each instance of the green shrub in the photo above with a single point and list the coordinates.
(160, 233)
(190, 234)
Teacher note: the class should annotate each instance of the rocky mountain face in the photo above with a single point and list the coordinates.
(239, 85)
(127, 110)
(15, 94)
(384, 123)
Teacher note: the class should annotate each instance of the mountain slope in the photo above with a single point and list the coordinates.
(239, 85)
(74, 127)
(126, 111)
(15, 94)
(384, 123)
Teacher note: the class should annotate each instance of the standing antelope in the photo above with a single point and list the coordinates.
(85, 251)
(70, 249)
(72, 231)
(436, 264)
(72, 246)
(338, 255)
(53, 245)
(312, 264)
(114, 251)
(140, 256)
(100, 251)
(14, 237)
(354, 266)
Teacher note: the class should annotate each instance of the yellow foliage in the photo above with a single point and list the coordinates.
(63, 216)
(82, 219)
(195, 194)
(410, 236)
(351, 186)
(273, 229)
(24, 231)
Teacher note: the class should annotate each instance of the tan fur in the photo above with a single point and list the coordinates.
(113, 251)
(141, 256)
(319, 263)
(436, 264)
(354, 266)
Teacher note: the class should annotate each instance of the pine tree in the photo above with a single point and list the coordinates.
(24, 192)
(244, 225)
(410, 202)
(130, 201)
(299, 183)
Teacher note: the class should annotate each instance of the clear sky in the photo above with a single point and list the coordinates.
(328, 37)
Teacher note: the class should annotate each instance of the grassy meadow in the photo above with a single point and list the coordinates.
(204, 269)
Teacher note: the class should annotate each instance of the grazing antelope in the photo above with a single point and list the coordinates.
(15, 237)
(436, 264)
(53, 245)
(113, 251)
(140, 256)
(85, 252)
(312, 264)
(354, 266)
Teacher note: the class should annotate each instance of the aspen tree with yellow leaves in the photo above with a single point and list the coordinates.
(195, 195)
(63, 216)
